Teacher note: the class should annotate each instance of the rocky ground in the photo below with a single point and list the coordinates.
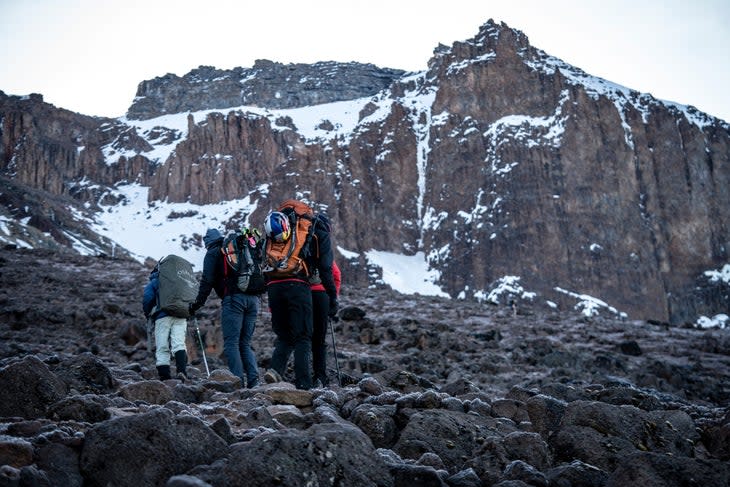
(434, 392)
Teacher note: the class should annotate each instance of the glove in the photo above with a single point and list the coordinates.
(333, 307)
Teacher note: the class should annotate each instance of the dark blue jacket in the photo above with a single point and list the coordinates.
(151, 296)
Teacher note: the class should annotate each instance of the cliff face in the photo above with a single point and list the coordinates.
(606, 191)
(267, 84)
(497, 161)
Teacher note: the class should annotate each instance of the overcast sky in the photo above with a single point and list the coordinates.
(90, 55)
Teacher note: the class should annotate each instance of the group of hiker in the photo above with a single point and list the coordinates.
(291, 261)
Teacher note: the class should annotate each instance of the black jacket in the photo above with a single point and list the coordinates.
(322, 254)
(212, 268)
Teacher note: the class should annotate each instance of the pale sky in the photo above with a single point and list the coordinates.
(89, 55)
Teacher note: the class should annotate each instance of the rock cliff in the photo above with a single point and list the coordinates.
(498, 161)
(267, 83)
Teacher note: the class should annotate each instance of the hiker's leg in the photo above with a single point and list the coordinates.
(248, 359)
(320, 308)
(177, 344)
(300, 319)
(231, 318)
(283, 345)
(162, 340)
(178, 331)
(162, 344)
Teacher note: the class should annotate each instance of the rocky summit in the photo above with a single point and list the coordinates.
(431, 392)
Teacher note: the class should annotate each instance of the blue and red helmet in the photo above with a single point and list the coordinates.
(276, 227)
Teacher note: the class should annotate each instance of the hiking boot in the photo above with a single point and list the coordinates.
(182, 377)
(317, 384)
(164, 372)
(253, 383)
(181, 363)
(272, 376)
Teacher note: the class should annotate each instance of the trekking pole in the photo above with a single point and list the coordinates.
(149, 328)
(334, 349)
(202, 347)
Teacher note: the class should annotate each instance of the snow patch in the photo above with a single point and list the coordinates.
(720, 275)
(590, 306)
(407, 274)
(506, 289)
(155, 229)
(347, 254)
(717, 321)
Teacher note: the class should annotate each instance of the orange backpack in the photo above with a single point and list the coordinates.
(287, 259)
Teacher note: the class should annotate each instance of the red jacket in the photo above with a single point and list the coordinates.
(336, 274)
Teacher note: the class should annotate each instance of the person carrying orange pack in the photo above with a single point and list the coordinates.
(297, 244)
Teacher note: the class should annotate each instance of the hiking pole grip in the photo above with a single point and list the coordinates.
(202, 346)
(334, 350)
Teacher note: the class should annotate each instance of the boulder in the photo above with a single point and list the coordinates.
(716, 437)
(316, 456)
(524, 472)
(149, 391)
(15, 452)
(661, 470)
(88, 408)
(601, 434)
(527, 447)
(28, 388)
(576, 474)
(464, 478)
(287, 394)
(377, 422)
(61, 464)
(147, 449)
(545, 413)
(452, 435)
(85, 373)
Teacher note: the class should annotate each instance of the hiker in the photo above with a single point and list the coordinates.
(320, 320)
(239, 307)
(296, 246)
(169, 331)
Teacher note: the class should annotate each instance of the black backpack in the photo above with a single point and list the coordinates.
(243, 255)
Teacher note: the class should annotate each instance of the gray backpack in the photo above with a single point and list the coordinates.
(178, 286)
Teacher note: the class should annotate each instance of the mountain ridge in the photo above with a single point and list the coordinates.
(497, 161)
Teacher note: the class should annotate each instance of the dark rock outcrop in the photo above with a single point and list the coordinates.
(325, 454)
(29, 388)
(147, 449)
(267, 84)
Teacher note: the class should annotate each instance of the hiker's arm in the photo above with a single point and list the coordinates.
(149, 297)
(207, 282)
(324, 265)
(337, 275)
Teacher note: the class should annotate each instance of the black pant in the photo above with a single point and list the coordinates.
(320, 310)
(291, 319)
